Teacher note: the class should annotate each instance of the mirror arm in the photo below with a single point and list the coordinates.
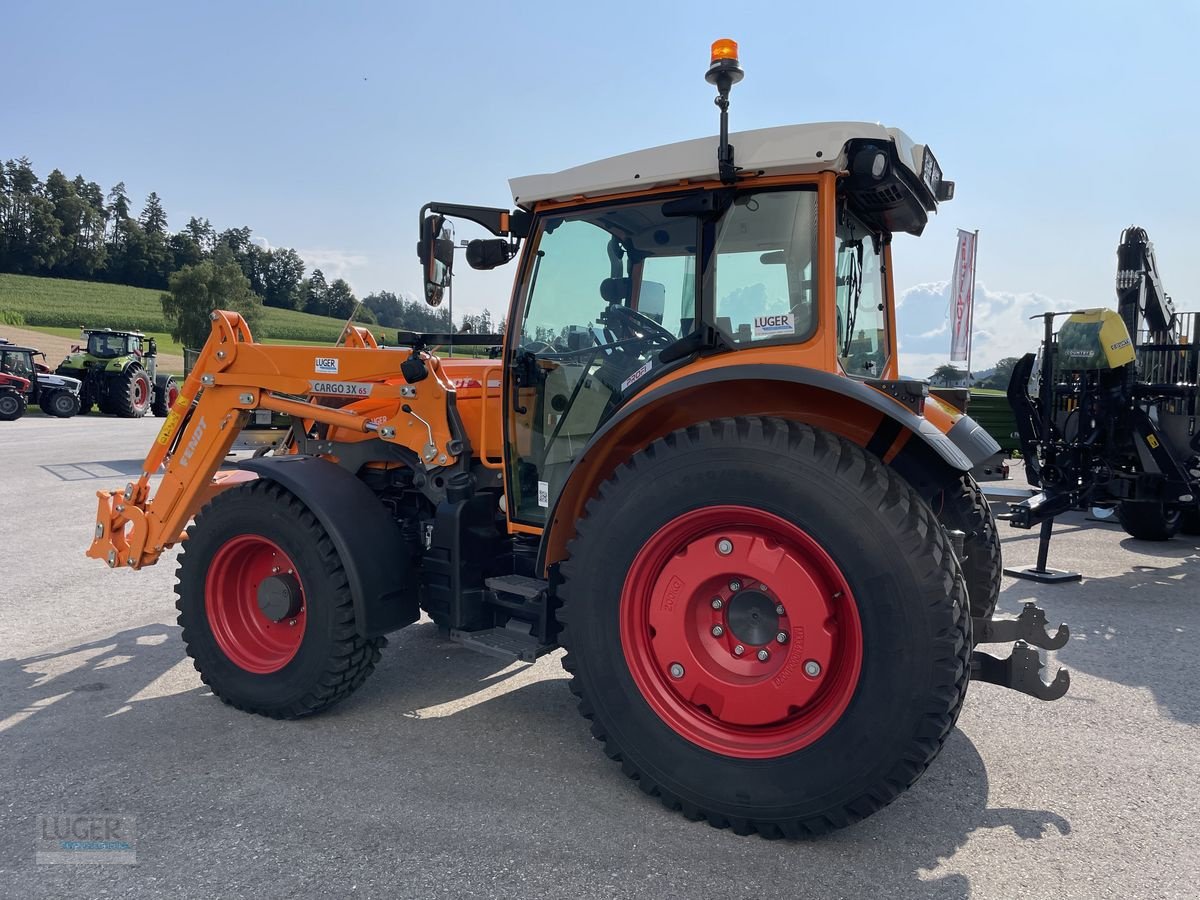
(500, 222)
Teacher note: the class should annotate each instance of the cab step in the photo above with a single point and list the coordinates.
(513, 642)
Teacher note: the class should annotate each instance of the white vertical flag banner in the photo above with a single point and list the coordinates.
(962, 296)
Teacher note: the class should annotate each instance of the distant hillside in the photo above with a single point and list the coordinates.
(62, 303)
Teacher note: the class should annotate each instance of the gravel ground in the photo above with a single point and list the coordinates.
(450, 774)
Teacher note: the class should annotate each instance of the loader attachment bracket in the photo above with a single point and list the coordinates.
(1021, 671)
(1030, 626)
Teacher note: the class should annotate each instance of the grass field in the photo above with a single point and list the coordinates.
(59, 306)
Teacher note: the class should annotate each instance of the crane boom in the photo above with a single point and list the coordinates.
(1141, 297)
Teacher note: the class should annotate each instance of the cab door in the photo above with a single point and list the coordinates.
(603, 292)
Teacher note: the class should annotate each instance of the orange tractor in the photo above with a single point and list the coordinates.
(691, 464)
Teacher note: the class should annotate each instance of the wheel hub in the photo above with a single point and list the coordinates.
(741, 632)
(752, 617)
(279, 597)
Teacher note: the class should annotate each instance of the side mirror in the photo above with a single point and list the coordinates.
(152, 350)
(488, 254)
(436, 251)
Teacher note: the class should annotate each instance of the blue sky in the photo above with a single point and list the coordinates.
(325, 127)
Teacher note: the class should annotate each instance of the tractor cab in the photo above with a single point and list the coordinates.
(108, 344)
(634, 268)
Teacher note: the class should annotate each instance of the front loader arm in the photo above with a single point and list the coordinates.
(233, 376)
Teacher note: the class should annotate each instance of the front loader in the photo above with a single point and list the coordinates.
(691, 464)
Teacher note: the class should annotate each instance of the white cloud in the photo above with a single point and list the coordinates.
(1003, 326)
(333, 263)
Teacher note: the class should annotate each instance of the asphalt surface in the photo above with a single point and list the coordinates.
(450, 774)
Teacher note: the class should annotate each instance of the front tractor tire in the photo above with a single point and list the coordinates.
(166, 392)
(963, 507)
(766, 625)
(61, 404)
(265, 606)
(129, 393)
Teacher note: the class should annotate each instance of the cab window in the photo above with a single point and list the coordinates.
(765, 281)
(861, 304)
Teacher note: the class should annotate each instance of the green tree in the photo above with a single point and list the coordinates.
(314, 294)
(340, 300)
(281, 278)
(1000, 378)
(197, 290)
(153, 219)
(947, 376)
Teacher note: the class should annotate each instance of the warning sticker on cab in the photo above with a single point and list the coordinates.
(769, 326)
(342, 388)
(326, 365)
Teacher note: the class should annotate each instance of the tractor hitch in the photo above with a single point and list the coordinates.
(1021, 671)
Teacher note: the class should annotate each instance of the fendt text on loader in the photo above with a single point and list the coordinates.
(691, 463)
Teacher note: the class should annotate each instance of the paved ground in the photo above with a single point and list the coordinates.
(451, 775)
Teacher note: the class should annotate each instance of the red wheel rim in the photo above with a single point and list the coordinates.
(141, 390)
(172, 395)
(714, 579)
(246, 635)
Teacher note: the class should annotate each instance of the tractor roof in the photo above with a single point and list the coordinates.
(118, 331)
(786, 150)
(9, 345)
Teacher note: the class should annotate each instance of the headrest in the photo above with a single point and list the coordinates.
(614, 290)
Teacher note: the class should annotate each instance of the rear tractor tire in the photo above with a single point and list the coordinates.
(129, 393)
(1149, 521)
(265, 607)
(12, 405)
(166, 392)
(767, 626)
(61, 404)
(963, 507)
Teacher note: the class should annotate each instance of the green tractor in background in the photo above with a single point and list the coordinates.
(120, 374)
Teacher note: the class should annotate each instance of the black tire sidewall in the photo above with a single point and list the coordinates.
(246, 511)
(57, 408)
(898, 629)
(12, 406)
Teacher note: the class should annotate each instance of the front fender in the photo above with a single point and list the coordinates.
(855, 410)
(365, 537)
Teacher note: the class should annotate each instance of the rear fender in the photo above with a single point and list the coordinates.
(910, 443)
(366, 538)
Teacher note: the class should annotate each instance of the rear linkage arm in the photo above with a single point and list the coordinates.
(1021, 671)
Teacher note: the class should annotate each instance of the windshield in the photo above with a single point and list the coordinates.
(16, 362)
(107, 346)
(861, 304)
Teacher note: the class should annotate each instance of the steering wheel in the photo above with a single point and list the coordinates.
(635, 321)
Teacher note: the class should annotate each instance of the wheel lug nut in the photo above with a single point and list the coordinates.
(781, 637)
(779, 609)
(717, 631)
(717, 603)
(762, 587)
(676, 670)
(739, 650)
(763, 655)
(735, 585)
(724, 546)
(812, 668)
